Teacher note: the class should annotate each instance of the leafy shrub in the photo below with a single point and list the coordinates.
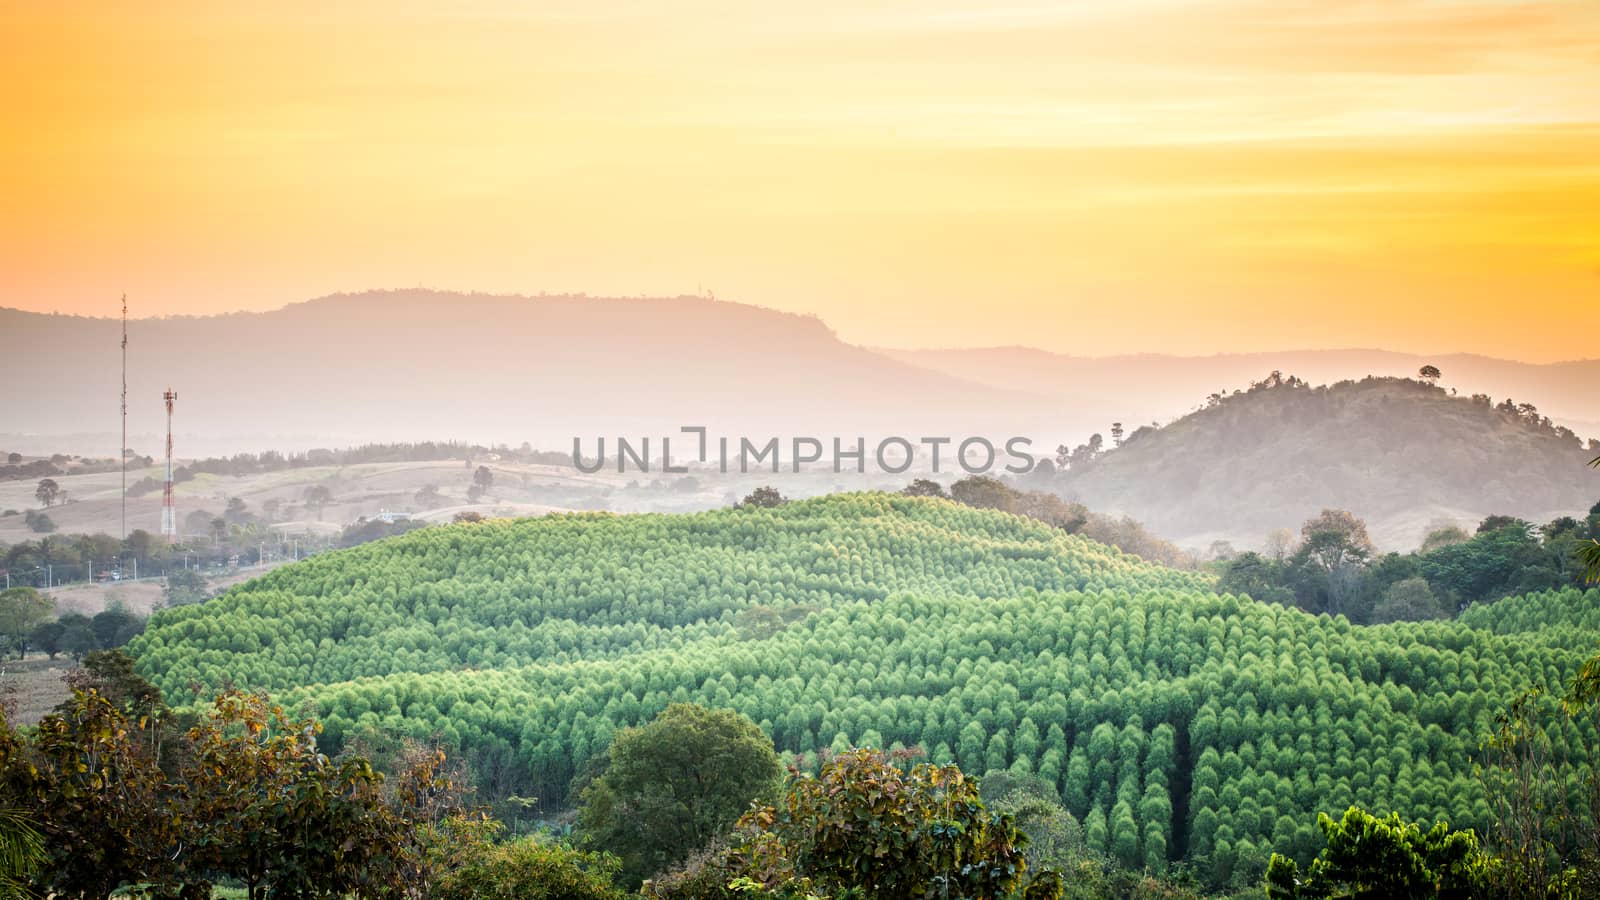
(531, 869)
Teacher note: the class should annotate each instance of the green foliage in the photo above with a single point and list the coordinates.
(110, 674)
(1250, 574)
(280, 816)
(47, 492)
(22, 609)
(21, 854)
(1385, 859)
(863, 823)
(707, 874)
(245, 795)
(1334, 571)
(763, 498)
(77, 635)
(376, 530)
(1495, 563)
(46, 638)
(1208, 721)
(91, 783)
(1409, 600)
(1266, 454)
(671, 786)
(1589, 554)
(185, 586)
(530, 869)
(115, 626)
(984, 493)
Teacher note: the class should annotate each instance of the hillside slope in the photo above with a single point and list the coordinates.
(1396, 452)
(1178, 725)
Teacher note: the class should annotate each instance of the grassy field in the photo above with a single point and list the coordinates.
(32, 687)
(141, 597)
(366, 489)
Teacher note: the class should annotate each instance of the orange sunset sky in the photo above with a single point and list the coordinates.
(1085, 176)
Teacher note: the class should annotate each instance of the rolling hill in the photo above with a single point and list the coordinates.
(1396, 452)
(1178, 725)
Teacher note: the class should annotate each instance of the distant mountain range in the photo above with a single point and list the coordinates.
(1138, 389)
(431, 365)
(402, 365)
(416, 364)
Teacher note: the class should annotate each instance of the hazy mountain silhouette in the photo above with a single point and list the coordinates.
(415, 364)
(434, 365)
(1140, 388)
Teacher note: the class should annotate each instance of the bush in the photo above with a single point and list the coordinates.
(1371, 857)
(863, 823)
(705, 875)
(530, 869)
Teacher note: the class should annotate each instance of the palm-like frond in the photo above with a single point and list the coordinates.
(21, 852)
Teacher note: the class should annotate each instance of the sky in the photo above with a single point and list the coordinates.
(1088, 177)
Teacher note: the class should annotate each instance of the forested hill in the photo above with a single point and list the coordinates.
(575, 586)
(1177, 724)
(1398, 453)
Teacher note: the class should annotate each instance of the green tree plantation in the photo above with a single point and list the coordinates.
(1179, 727)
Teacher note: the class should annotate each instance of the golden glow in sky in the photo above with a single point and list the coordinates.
(1090, 176)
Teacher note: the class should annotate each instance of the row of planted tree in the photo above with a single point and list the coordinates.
(116, 794)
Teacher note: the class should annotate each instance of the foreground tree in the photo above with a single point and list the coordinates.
(278, 815)
(90, 781)
(671, 786)
(864, 824)
(1374, 858)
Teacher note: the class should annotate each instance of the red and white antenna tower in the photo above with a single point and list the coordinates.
(169, 512)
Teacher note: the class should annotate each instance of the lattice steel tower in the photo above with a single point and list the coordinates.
(169, 512)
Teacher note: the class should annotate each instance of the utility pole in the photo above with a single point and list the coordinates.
(123, 453)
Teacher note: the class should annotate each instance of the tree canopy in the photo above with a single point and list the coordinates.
(671, 786)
